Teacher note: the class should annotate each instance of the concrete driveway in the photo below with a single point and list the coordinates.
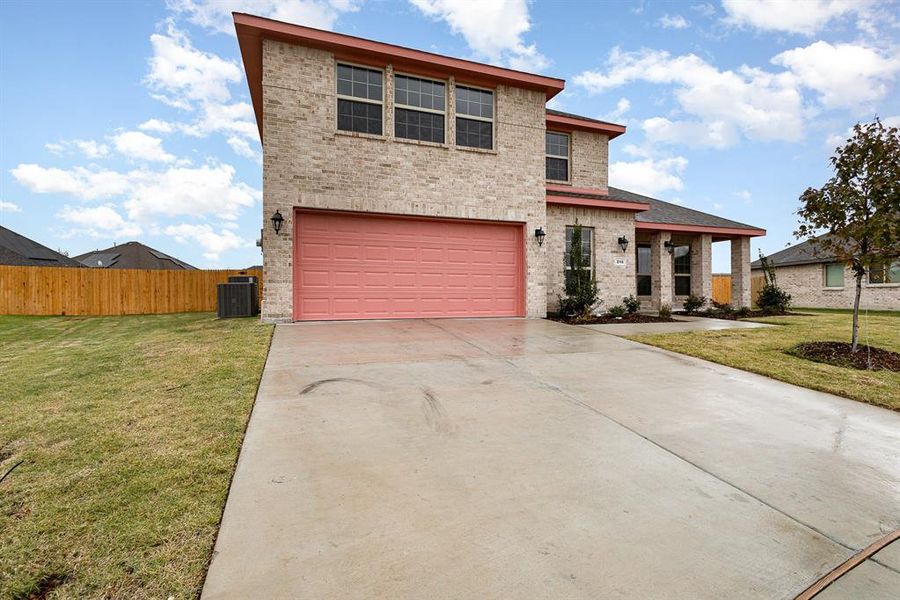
(530, 459)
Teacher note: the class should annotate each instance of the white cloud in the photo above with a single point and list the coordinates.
(237, 118)
(216, 14)
(9, 207)
(622, 107)
(648, 176)
(242, 147)
(694, 134)
(78, 181)
(806, 17)
(845, 75)
(136, 144)
(156, 125)
(705, 9)
(201, 191)
(761, 105)
(672, 22)
(745, 196)
(89, 148)
(181, 75)
(99, 221)
(213, 243)
(493, 29)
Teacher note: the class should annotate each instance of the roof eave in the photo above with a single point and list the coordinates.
(711, 229)
(566, 123)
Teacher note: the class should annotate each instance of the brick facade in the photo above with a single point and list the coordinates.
(806, 285)
(613, 281)
(308, 163)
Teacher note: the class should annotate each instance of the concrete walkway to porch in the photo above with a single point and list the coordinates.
(682, 324)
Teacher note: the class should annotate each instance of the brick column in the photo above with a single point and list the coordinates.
(740, 272)
(701, 266)
(661, 270)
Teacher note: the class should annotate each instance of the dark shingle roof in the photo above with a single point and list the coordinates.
(804, 253)
(673, 214)
(18, 250)
(131, 255)
(560, 113)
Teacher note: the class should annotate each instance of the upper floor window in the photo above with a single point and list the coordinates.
(557, 156)
(644, 279)
(360, 97)
(682, 269)
(834, 275)
(419, 108)
(889, 272)
(474, 117)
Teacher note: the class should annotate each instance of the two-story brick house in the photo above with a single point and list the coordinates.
(417, 185)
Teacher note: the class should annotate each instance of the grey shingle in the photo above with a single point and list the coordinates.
(18, 250)
(804, 253)
(673, 214)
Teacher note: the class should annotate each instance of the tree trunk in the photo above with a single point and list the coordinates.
(856, 311)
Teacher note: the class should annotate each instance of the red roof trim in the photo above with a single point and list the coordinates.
(732, 231)
(251, 30)
(615, 204)
(571, 123)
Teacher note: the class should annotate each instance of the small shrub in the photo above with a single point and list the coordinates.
(665, 311)
(692, 303)
(721, 307)
(773, 299)
(618, 311)
(743, 311)
(632, 304)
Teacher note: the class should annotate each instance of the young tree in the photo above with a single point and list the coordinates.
(859, 207)
(580, 283)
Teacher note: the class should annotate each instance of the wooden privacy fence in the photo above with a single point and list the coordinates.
(721, 288)
(75, 291)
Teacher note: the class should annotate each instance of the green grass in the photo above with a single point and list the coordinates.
(763, 351)
(129, 428)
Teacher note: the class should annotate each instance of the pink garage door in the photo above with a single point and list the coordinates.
(362, 266)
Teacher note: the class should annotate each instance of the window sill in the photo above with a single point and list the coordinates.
(358, 134)
(476, 150)
(421, 143)
(833, 289)
(882, 285)
(557, 182)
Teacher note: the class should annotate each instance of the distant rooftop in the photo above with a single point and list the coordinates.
(805, 253)
(16, 249)
(131, 255)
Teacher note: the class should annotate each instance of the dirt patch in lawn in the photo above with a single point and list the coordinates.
(839, 354)
(609, 319)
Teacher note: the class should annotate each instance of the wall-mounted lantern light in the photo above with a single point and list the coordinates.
(623, 243)
(540, 235)
(670, 246)
(277, 221)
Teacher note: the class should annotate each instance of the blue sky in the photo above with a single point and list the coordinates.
(131, 120)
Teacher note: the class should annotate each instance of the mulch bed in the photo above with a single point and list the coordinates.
(607, 319)
(838, 354)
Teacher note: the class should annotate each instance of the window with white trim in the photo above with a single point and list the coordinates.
(834, 275)
(888, 272)
(419, 108)
(359, 99)
(474, 117)
(557, 149)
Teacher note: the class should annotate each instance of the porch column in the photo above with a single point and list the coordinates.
(701, 266)
(660, 270)
(740, 272)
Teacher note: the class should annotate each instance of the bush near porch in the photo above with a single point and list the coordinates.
(129, 428)
(764, 351)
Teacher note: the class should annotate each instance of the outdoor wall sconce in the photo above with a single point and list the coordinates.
(277, 221)
(623, 243)
(670, 247)
(540, 235)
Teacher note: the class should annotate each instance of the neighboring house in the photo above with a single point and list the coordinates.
(417, 185)
(20, 251)
(131, 255)
(814, 279)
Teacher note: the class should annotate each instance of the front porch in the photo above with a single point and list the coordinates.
(672, 264)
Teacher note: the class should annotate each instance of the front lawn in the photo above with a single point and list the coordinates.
(763, 351)
(129, 429)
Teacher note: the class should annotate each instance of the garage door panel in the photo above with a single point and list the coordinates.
(354, 266)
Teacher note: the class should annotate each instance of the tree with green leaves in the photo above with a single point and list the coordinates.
(859, 207)
(580, 283)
